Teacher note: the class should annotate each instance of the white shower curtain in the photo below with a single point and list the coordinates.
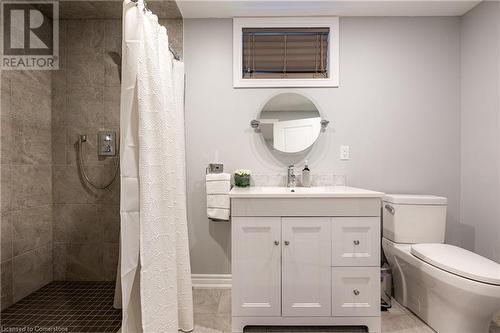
(154, 253)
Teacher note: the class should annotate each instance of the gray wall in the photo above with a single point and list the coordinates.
(480, 130)
(397, 107)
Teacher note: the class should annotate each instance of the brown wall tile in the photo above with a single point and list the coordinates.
(6, 241)
(31, 186)
(6, 281)
(31, 271)
(77, 224)
(32, 228)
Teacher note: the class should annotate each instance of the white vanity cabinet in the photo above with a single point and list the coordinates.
(305, 259)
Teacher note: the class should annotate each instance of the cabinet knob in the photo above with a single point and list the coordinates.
(356, 242)
(276, 243)
(287, 243)
(356, 292)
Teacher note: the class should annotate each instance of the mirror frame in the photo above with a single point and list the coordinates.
(255, 123)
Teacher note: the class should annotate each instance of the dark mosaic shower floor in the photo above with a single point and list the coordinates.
(65, 306)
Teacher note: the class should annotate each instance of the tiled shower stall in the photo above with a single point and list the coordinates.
(55, 227)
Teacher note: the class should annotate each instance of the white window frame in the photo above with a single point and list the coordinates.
(286, 22)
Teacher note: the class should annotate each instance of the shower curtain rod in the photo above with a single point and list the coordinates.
(174, 54)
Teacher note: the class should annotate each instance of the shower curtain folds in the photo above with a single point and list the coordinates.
(154, 255)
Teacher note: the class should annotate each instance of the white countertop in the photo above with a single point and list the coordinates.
(303, 192)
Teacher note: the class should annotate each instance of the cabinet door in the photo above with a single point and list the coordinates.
(306, 267)
(256, 266)
(356, 291)
(356, 241)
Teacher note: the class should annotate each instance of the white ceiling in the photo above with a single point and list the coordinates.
(238, 8)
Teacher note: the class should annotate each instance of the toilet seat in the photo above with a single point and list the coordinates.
(458, 261)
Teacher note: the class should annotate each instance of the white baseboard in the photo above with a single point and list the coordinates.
(211, 280)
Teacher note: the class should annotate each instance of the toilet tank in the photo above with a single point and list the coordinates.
(410, 218)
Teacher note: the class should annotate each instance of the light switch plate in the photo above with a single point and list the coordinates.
(344, 152)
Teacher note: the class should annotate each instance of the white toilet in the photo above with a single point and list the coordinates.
(453, 290)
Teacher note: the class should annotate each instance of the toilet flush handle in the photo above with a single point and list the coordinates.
(390, 209)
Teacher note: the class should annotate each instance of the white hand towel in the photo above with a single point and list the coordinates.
(218, 186)
(218, 201)
(218, 214)
(218, 176)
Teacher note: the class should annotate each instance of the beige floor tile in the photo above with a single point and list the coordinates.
(212, 322)
(225, 302)
(212, 308)
(206, 301)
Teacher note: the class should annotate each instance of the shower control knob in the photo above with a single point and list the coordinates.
(356, 242)
(356, 292)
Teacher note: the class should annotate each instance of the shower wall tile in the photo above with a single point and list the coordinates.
(111, 114)
(85, 89)
(7, 298)
(6, 240)
(31, 186)
(31, 143)
(113, 36)
(84, 262)
(83, 34)
(6, 145)
(5, 97)
(31, 97)
(110, 260)
(111, 73)
(77, 224)
(32, 228)
(79, 262)
(6, 188)
(109, 218)
(63, 44)
(69, 188)
(58, 145)
(26, 182)
(59, 261)
(85, 67)
(31, 271)
(86, 99)
(59, 98)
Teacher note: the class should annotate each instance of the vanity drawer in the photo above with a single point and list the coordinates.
(356, 241)
(355, 291)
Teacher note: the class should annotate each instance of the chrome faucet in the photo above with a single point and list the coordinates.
(291, 179)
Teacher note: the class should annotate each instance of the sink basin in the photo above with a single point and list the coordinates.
(302, 192)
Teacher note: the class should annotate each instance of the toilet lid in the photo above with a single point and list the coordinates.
(458, 261)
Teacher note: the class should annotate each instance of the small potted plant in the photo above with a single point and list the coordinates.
(242, 178)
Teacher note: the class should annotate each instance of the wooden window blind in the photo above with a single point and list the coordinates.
(285, 53)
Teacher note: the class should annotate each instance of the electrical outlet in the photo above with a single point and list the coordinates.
(344, 153)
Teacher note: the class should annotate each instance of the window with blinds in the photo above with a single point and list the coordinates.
(281, 53)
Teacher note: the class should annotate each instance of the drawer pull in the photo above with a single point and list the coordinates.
(390, 209)
(276, 243)
(287, 243)
(356, 292)
(356, 242)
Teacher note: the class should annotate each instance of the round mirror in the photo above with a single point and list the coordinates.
(290, 123)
